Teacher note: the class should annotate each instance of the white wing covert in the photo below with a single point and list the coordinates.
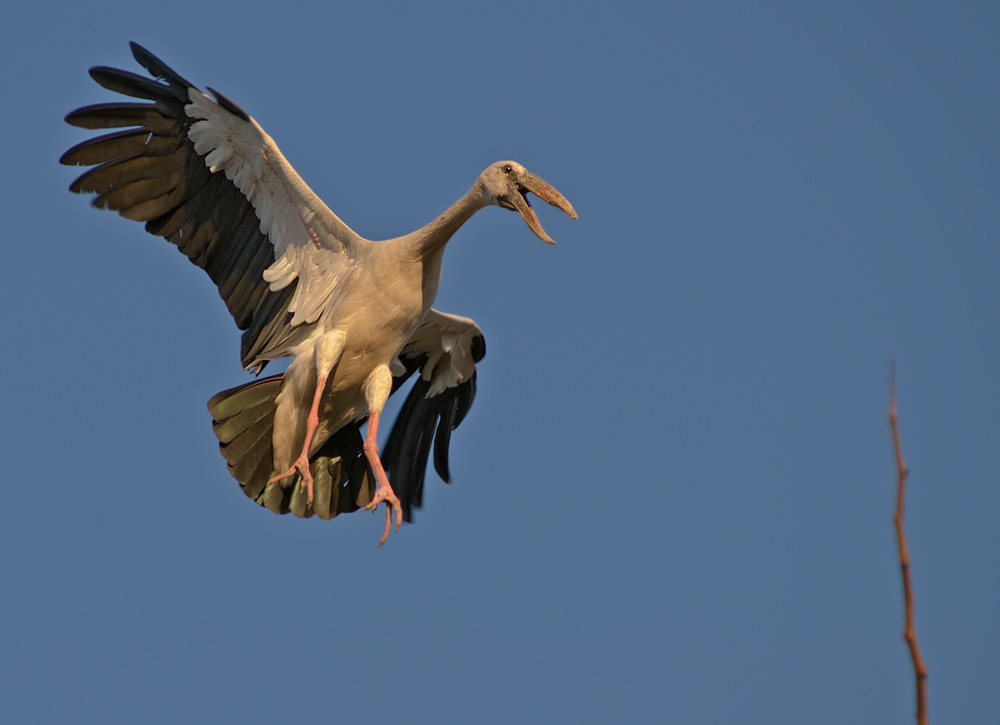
(310, 243)
(447, 344)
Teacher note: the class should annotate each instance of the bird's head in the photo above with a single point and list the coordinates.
(507, 183)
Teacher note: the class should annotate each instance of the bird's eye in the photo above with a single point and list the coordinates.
(507, 168)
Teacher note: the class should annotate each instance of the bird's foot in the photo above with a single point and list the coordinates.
(301, 467)
(388, 496)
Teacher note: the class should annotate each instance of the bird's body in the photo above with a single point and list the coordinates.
(378, 315)
(355, 315)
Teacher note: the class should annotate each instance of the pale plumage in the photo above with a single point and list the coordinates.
(355, 314)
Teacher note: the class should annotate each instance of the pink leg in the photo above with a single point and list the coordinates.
(385, 492)
(301, 464)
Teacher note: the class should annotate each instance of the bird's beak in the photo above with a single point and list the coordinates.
(544, 191)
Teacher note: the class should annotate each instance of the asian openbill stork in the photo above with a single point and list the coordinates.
(354, 314)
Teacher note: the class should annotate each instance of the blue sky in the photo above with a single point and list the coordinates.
(673, 497)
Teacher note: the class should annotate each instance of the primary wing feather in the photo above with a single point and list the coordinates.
(205, 176)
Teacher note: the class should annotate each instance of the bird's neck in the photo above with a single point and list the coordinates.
(433, 237)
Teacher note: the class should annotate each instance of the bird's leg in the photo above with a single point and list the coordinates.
(327, 352)
(377, 389)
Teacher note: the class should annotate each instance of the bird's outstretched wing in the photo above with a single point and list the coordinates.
(204, 175)
(445, 349)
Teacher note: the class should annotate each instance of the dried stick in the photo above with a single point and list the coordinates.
(910, 634)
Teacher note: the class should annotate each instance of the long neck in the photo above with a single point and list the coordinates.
(433, 237)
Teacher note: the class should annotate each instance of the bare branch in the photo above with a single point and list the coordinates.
(910, 634)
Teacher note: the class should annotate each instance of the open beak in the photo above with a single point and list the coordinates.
(529, 182)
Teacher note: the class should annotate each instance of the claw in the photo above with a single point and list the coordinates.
(387, 495)
(301, 467)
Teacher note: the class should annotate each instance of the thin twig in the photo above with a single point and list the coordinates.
(910, 634)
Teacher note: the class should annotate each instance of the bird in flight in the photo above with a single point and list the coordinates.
(355, 315)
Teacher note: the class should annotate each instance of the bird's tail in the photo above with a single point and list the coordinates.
(243, 421)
